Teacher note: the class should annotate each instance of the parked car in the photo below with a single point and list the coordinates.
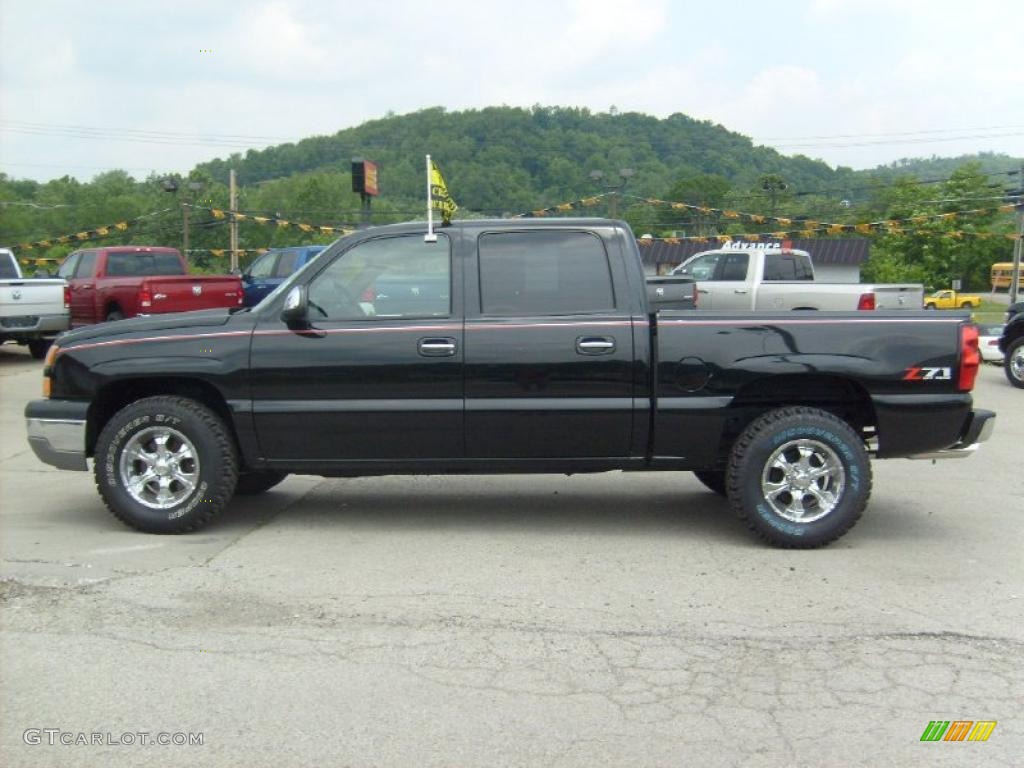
(1011, 344)
(988, 343)
(783, 278)
(540, 354)
(272, 268)
(952, 300)
(32, 310)
(130, 280)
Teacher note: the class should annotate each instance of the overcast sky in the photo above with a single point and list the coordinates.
(160, 86)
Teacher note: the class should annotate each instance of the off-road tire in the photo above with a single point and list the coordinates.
(251, 483)
(752, 452)
(713, 480)
(39, 347)
(217, 459)
(1013, 363)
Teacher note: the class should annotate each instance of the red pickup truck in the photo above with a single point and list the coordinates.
(131, 280)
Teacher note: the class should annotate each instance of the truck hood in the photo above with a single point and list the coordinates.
(210, 318)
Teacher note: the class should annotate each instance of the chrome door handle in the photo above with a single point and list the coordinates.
(595, 345)
(740, 290)
(443, 347)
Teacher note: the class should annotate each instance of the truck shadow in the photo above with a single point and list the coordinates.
(465, 506)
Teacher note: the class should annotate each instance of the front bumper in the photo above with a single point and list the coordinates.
(979, 429)
(56, 432)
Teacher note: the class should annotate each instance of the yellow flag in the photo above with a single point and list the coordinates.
(440, 200)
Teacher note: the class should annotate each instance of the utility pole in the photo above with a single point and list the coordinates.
(233, 225)
(1018, 244)
(184, 230)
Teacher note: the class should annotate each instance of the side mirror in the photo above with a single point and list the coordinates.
(296, 306)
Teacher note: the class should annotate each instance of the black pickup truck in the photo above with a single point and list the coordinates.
(514, 346)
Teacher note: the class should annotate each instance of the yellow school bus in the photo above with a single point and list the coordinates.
(1003, 272)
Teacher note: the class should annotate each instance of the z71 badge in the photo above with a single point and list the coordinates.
(928, 374)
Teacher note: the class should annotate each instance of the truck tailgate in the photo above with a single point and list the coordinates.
(184, 293)
(24, 298)
(898, 296)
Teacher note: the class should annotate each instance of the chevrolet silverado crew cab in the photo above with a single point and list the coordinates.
(129, 280)
(783, 278)
(529, 346)
(32, 310)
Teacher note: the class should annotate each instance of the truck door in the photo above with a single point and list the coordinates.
(549, 348)
(362, 381)
(730, 287)
(79, 270)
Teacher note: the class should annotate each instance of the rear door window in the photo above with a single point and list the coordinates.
(733, 267)
(787, 267)
(544, 273)
(143, 264)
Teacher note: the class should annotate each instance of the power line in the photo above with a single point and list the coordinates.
(892, 133)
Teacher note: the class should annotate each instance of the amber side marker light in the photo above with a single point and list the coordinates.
(51, 357)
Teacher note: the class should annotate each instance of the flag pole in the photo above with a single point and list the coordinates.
(430, 237)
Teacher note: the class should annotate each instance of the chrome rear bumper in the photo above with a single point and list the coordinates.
(979, 430)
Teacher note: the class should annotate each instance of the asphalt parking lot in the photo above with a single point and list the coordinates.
(487, 621)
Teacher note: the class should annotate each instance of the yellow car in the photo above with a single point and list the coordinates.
(951, 300)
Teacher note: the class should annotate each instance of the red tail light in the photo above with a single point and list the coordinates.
(866, 301)
(145, 298)
(970, 357)
(67, 297)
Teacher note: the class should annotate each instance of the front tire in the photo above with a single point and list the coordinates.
(799, 477)
(929, 306)
(1013, 363)
(166, 465)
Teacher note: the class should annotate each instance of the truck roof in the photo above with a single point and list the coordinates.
(524, 223)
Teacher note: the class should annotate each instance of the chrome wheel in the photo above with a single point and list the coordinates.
(1017, 363)
(803, 480)
(159, 467)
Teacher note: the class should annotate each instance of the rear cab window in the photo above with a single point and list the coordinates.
(143, 264)
(544, 273)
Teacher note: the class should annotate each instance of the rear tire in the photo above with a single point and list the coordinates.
(799, 477)
(251, 483)
(714, 481)
(1013, 363)
(967, 305)
(114, 314)
(166, 465)
(39, 347)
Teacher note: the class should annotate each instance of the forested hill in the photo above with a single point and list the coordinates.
(511, 159)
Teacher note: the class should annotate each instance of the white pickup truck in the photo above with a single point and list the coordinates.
(783, 278)
(32, 311)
